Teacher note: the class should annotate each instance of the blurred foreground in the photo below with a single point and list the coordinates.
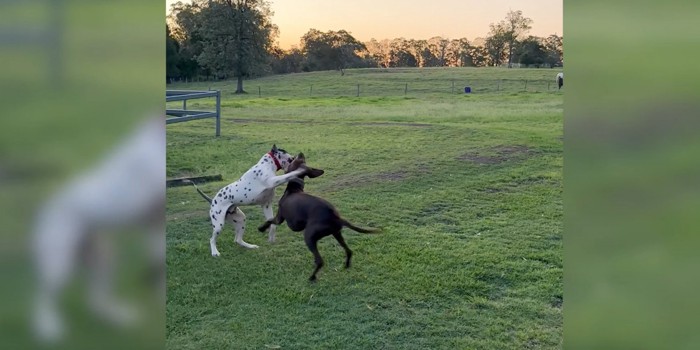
(82, 161)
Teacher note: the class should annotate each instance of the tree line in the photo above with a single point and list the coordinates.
(223, 39)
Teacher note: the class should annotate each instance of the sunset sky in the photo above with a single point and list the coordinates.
(389, 19)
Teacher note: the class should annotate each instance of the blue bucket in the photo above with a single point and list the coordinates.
(467, 89)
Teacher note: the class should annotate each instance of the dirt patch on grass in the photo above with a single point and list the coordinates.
(296, 121)
(415, 125)
(497, 154)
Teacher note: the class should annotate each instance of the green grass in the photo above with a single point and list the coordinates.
(468, 190)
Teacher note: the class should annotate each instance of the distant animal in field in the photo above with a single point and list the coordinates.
(560, 80)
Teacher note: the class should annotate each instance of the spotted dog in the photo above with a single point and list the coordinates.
(255, 187)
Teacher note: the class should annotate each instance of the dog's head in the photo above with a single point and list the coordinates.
(300, 161)
(284, 158)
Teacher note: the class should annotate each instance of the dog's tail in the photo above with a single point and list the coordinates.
(207, 198)
(359, 229)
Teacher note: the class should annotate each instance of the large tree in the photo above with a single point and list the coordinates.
(495, 44)
(512, 28)
(401, 54)
(458, 53)
(172, 57)
(530, 51)
(233, 37)
(331, 50)
(553, 46)
(438, 47)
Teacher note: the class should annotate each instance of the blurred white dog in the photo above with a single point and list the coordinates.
(125, 191)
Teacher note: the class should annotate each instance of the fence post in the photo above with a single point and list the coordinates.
(526, 85)
(184, 105)
(311, 90)
(358, 90)
(259, 93)
(547, 86)
(405, 91)
(218, 112)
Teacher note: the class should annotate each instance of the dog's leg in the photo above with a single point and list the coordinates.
(348, 253)
(101, 264)
(56, 245)
(238, 220)
(217, 223)
(275, 181)
(318, 260)
(267, 210)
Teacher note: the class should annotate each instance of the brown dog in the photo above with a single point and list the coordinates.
(315, 216)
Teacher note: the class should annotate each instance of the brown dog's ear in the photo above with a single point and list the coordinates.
(301, 156)
(312, 173)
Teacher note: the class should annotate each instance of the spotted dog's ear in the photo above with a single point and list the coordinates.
(301, 156)
(274, 148)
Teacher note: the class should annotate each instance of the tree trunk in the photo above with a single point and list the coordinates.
(239, 86)
(510, 54)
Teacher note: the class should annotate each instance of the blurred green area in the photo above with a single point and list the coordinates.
(631, 175)
(76, 77)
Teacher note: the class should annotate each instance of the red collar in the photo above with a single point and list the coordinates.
(277, 162)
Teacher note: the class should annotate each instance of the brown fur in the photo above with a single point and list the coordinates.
(314, 215)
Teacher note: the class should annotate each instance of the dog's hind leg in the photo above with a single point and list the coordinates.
(318, 260)
(217, 223)
(348, 253)
(267, 210)
(238, 220)
(56, 244)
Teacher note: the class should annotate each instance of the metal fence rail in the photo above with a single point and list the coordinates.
(183, 115)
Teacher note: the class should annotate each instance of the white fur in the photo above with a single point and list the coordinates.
(255, 187)
(124, 191)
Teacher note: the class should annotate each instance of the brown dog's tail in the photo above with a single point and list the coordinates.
(207, 198)
(359, 229)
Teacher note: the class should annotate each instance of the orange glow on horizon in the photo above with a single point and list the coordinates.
(390, 19)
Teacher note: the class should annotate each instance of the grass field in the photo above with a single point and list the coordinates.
(467, 188)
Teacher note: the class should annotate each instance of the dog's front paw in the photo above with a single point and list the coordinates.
(215, 254)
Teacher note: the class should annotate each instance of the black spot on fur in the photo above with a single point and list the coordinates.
(213, 218)
(215, 201)
(241, 201)
(219, 195)
(235, 221)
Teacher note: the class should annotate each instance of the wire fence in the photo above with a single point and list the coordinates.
(478, 86)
